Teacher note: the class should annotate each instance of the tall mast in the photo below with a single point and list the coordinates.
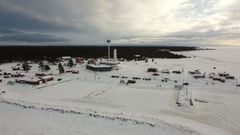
(108, 44)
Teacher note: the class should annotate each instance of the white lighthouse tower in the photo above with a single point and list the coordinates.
(115, 55)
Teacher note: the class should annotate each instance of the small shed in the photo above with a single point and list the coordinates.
(43, 74)
(152, 70)
(47, 78)
(199, 76)
(177, 72)
(16, 68)
(224, 74)
(165, 71)
(79, 60)
(31, 81)
(17, 75)
(194, 72)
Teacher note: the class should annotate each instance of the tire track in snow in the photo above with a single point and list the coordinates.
(99, 92)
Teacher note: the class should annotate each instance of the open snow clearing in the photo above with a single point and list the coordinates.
(192, 96)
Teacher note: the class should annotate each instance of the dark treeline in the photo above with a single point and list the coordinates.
(21, 53)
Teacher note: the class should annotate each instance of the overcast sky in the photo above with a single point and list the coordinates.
(163, 22)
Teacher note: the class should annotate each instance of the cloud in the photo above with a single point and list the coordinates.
(18, 20)
(8, 31)
(30, 38)
(135, 21)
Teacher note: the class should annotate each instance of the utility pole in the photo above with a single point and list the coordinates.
(95, 75)
(236, 83)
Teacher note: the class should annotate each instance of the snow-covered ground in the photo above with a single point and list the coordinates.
(102, 105)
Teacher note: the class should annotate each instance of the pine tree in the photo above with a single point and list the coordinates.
(70, 63)
(61, 68)
(25, 66)
(47, 67)
(41, 65)
(146, 60)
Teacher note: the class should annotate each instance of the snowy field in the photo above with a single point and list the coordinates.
(95, 103)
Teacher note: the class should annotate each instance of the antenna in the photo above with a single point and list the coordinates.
(108, 43)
